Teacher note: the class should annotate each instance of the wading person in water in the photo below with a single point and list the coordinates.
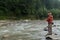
(50, 22)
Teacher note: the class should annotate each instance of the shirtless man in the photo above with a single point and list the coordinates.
(50, 21)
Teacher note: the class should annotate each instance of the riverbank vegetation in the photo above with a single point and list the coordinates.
(29, 9)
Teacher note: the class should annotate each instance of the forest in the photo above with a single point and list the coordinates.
(29, 9)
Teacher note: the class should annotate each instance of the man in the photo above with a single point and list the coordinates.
(50, 22)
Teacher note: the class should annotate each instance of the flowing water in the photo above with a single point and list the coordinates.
(22, 30)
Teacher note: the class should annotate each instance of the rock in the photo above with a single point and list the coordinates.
(54, 25)
(6, 36)
(48, 38)
(53, 36)
(45, 29)
(19, 39)
(25, 20)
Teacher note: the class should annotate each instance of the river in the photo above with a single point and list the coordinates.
(25, 30)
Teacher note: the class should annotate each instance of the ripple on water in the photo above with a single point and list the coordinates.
(25, 31)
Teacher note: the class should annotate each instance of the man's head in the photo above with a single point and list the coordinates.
(49, 13)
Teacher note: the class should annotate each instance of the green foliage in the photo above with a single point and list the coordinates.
(28, 9)
(56, 13)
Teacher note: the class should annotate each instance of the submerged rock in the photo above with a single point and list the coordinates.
(6, 36)
(45, 29)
